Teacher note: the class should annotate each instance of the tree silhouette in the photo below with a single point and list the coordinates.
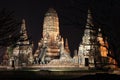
(9, 27)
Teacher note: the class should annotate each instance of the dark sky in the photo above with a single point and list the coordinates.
(72, 17)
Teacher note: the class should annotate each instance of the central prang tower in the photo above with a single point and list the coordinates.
(51, 24)
(49, 47)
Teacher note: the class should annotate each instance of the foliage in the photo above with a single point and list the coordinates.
(9, 27)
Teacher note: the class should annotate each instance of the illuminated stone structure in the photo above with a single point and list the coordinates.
(67, 46)
(53, 52)
(49, 47)
(88, 45)
(51, 25)
(24, 48)
(103, 45)
(64, 52)
(75, 57)
(65, 59)
(104, 51)
(93, 50)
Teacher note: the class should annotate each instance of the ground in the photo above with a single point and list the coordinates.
(56, 75)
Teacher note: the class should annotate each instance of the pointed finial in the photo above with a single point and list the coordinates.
(89, 12)
(89, 19)
(23, 27)
(23, 30)
(62, 41)
(23, 21)
(75, 52)
(66, 43)
(51, 10)
(62, 46)
(99, 29)
(99, 32)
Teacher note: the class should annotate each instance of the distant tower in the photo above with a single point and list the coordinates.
(23, 30)
(24, 47)
(88, 45)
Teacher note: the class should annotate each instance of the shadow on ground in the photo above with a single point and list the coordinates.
(33, 75)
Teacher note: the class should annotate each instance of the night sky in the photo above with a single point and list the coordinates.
(72, 17)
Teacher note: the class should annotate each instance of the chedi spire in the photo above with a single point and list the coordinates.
(23, 29)
(89, 19)
(66, 45)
